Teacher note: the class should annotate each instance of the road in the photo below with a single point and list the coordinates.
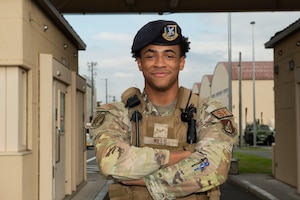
(229, 190)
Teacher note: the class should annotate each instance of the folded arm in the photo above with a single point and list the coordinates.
(115, 156)
(204, 169)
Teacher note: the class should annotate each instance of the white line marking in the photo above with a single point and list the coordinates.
(91, 159)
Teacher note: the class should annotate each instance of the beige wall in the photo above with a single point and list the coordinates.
(286, 84)
(205, 87)
(22, 39)
(264, 97)
(219, 85)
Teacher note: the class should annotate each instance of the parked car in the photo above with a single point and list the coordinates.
(265, 135)
(89, 141)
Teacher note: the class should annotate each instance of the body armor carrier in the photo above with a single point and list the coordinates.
(174, 132)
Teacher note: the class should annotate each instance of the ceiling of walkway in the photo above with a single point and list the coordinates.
(55, 8)
(170, 6)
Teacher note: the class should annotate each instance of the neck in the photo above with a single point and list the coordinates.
(162, 98)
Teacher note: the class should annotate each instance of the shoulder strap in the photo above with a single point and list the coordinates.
(129, 93)
(132, 98)
(186, 98)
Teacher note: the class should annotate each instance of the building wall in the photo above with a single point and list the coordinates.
(286, 84)
(205, 87)
(22, 39)
(264, 97)
(219, 85)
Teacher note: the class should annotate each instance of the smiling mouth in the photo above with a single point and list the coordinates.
(160, 74)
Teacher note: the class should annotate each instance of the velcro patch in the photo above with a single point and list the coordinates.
(228, 127)
(98, 120)
(161, 141)
(160, 130)
(202, 164)
(221, 113)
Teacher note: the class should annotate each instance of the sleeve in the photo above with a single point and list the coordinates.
(115, 156)
(208, 166)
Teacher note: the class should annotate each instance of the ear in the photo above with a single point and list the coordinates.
(139, 63)
(181, 63)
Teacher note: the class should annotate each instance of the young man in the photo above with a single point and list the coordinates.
(163, 143)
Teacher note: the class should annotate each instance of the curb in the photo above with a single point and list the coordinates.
(258, 192)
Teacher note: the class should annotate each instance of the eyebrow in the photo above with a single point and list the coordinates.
(165, 51)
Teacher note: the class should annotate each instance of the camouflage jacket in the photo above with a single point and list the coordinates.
(206, 168)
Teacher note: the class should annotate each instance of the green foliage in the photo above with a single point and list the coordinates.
(253, 164)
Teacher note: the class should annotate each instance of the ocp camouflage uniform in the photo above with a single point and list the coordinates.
(196, 177)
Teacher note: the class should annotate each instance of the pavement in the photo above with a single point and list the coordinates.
(263, 186)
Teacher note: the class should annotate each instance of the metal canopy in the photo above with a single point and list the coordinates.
(170, 6)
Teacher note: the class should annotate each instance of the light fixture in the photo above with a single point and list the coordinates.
(58, 73)
(276, 69)
(45, 27)
(291, 65)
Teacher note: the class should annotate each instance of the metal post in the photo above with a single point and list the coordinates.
(91, 68)
(240, 99)
(106, 90)
(229, 65)
(253, 76)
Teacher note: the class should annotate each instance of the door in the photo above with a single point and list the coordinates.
(59, 139)
(81, 164)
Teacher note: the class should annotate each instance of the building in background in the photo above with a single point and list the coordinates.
(216, 86)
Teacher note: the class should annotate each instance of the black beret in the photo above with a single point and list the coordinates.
(159, 32)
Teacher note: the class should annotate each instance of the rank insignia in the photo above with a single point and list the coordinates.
(170, 32)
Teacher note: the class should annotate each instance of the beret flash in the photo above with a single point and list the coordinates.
(158, 32)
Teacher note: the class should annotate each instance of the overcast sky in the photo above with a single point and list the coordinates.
(109, 39)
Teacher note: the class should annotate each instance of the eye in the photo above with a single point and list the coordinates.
(149, 56)
(170, 56)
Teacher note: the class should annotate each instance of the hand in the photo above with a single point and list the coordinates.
(139, 182)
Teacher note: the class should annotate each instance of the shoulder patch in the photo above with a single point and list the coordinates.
(98, 120)
(228, 127)
(221, 113)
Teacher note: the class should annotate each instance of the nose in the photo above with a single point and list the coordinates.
(160, 61)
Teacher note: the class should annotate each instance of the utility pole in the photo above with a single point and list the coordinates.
(229, 65)
(91, 66)
(106, 90)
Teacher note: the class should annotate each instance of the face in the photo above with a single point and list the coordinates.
(160, 66)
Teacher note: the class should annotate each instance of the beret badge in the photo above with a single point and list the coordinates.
(170, 32)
